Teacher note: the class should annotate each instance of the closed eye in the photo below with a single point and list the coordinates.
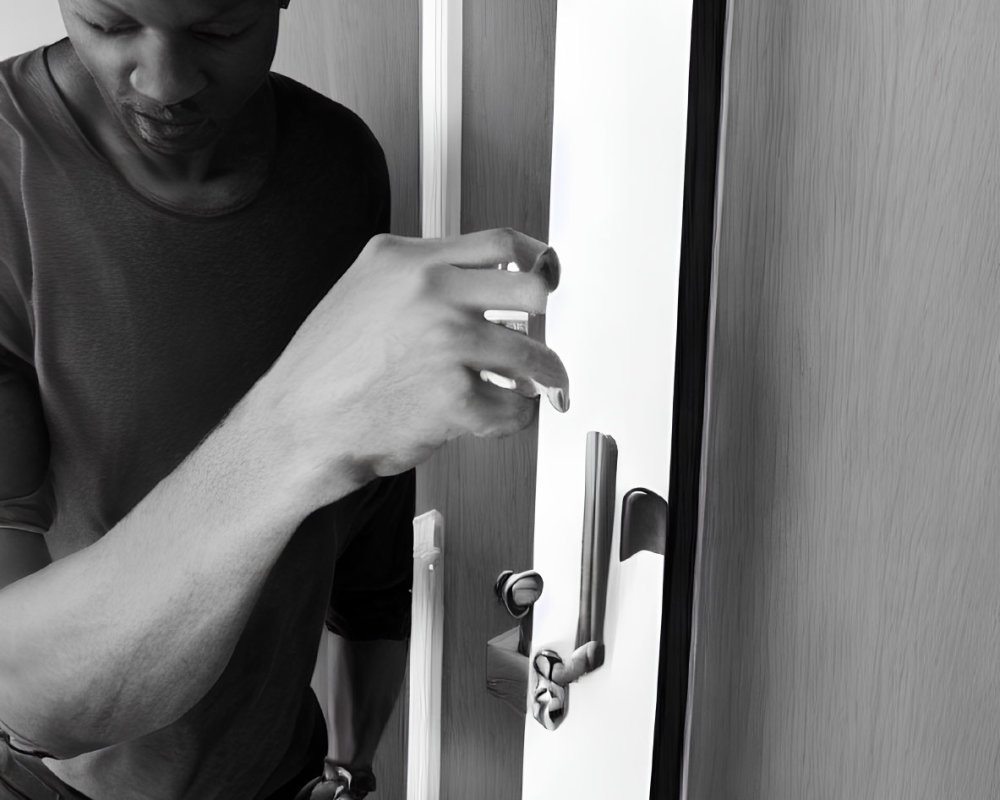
(110, 30)
(220, 34)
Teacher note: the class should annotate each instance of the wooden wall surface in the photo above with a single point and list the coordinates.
(365, 54)
(848, 610)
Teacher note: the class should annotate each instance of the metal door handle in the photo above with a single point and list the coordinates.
(598, 530)
(508, 665)
(552, 674)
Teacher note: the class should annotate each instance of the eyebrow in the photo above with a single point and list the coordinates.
(229, 8)
(109, 6)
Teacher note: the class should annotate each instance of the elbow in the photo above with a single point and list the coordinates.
(47, 741)
(61, 730)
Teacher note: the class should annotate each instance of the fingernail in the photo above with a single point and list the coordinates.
(547, 265)
(559, 399)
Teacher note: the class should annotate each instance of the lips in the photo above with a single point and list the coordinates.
(169, 132)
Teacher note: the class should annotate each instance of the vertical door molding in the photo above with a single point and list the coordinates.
(441, 117)
(702, 197)
(485, 487)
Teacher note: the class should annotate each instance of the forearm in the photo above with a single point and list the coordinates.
(93, 643)
(382, 372)
(364, 681)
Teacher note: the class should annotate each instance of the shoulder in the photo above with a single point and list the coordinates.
(10, 149)
(26, 108)
(12, 132)
(11, 87)
(324, 122)
(20, 80)
(329, 151)
(16, 90)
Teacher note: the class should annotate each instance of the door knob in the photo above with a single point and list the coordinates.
(518, 592)
(507, 654)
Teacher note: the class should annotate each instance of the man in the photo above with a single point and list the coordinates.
(215, 375)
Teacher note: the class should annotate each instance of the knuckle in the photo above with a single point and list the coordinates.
(505, 239)
(380, 243)
(465, 392)
(422, 281)
(434, 277)
(533, 358)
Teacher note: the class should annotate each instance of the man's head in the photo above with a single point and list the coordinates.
(174, 73)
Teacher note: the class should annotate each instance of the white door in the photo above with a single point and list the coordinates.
(617, 189)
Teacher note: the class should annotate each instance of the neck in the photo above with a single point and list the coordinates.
(216, 177)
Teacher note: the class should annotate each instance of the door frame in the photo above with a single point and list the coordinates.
(701, 181)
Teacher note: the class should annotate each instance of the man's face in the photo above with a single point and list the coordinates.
(174, 73)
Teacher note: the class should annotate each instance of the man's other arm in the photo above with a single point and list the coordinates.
(364, 681)
(21, 553)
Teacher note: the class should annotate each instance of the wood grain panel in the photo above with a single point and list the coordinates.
(848, 609)
(486, 488)
(366, 56)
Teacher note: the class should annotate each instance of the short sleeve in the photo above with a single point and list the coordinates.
(26, 500)
(373, 577)
(25, 493)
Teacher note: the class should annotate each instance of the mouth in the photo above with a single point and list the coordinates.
(169, 133)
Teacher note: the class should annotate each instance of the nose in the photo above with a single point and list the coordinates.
(165, 71)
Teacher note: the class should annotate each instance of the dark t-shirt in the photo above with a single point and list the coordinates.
(127, 331)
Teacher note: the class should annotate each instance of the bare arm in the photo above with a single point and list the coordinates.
(381, 373)
(92, 642)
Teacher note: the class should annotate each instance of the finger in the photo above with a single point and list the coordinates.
(522, 362)
(492, 412)
(523, 386)
(527, 387)
(498, 380)
(486, 290)
(489, 249)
